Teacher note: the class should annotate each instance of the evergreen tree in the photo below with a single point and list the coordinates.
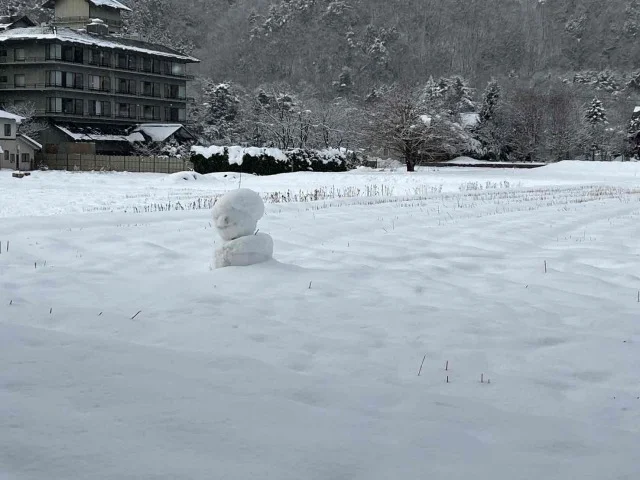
(490, 99)
(596, 119)
(595, 114)
(220, 114)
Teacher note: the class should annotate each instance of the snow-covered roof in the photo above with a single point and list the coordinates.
(11, 116)
(8, 21)
(64, 34)
(98, 3)
(636, 110)
(30, 141)
(158, 132)
(85, 136)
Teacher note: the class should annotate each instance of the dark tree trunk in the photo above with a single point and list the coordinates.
(411, 164)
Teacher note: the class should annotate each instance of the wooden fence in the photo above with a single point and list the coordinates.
(113, 163)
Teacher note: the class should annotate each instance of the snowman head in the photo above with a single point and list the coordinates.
(236, 213)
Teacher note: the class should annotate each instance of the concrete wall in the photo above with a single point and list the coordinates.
(72, 8)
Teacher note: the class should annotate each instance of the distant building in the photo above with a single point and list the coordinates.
(8, 22)
(82, 71)
(16, 151)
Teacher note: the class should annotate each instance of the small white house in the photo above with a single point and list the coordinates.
(16, 151)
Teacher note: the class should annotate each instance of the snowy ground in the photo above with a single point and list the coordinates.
(124, 356)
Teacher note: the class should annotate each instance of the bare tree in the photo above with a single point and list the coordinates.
(401, 122)
(30, 126)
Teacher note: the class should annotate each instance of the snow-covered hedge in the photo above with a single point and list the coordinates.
(269, 161)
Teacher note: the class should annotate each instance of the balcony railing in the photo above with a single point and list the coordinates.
(113, 116)
(96, 91)
(86, 21)
(100, 65)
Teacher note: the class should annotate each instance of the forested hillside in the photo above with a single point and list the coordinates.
(341, 53)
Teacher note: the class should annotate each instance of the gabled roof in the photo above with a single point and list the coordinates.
(160, 132)
(11, 116)
(96, 3)
(69, 35)
(10, 21)
(102, 134)
(29, 141)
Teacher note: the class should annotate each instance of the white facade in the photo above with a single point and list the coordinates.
(16, 151)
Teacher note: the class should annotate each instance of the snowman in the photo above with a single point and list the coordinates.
(235, 216)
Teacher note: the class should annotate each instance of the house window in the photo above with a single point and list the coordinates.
(6, 155)
(53, 51)
(19, 55)
(19, 80)
(7, 129)
(25, 158)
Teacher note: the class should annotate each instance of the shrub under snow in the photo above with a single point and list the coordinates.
(268, 161)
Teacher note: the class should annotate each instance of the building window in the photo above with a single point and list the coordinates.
(19, 80)
(54, 78)
(126, 86)
(173, 114)
(151, 112)
(126, 110)
(178, 92)
(99, 108)
(4, 79)
(19, 54)
(53, 51)
(73, 80)
(127, 62)
(54, 105)
(97, 82)
(147, 64)
(99, 57)
(150, 89)
(7, 129)
(3, 53)
(72, 54)
(176, 69)
(71, 106)
(65, 79)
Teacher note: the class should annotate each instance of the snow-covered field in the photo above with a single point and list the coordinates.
(123, 356)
